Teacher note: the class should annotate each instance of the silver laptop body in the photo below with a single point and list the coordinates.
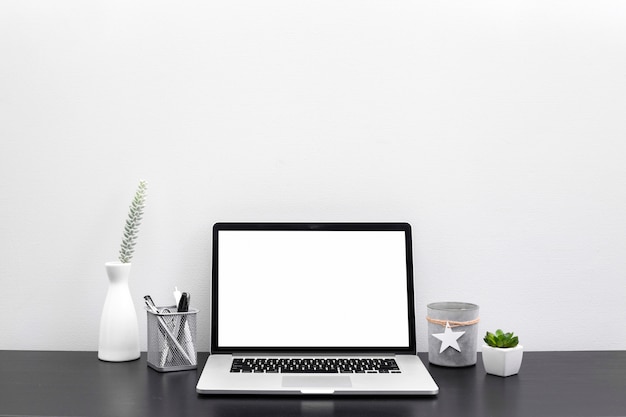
(313, 308)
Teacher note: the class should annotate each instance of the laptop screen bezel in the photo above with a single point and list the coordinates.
(386, 226)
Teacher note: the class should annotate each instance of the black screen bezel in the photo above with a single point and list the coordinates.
(396, 226)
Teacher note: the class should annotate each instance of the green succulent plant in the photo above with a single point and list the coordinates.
(501, 339)
(131, 229)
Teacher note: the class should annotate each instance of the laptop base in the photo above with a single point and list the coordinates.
(413, 380)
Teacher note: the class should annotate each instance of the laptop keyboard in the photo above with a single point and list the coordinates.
(314, 366)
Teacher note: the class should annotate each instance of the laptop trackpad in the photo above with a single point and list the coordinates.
(319, 381)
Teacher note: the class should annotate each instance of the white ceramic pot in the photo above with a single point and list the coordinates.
(502, 361)
(119, 330)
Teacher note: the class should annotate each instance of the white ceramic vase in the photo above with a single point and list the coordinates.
(502, 361)
(119, 331)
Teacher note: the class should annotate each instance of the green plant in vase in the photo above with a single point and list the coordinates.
(119, 331)
(502, 354)
(131, 229)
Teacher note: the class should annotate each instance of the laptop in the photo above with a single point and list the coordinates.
(313, 309)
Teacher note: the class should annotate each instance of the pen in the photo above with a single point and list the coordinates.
(183, 304)
(184, 333)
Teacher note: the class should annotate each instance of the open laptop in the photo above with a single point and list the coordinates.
(313, 308)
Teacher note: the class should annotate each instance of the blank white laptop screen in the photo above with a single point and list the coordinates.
(326, 288)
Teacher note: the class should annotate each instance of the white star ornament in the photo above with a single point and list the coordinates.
(449, 338)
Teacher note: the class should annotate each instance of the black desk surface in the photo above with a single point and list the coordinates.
(78, 384)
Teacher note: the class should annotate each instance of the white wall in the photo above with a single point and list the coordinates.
(497, 129)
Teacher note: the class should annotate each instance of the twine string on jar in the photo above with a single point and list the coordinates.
(453, 323)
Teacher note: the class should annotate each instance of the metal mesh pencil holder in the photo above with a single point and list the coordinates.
(172, 339)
